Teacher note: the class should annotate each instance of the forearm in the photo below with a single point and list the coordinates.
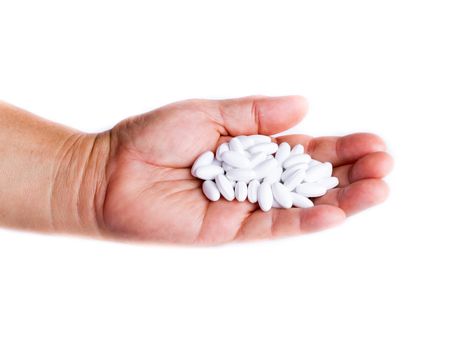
(51, 177)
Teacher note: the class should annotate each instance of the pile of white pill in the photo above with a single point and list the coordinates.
(255, 168)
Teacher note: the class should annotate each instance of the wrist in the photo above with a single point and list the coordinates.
(80, 182)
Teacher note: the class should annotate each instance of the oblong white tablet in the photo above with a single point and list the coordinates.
(282, 195)
(296, 159)
(274, 175)
(319, 172)
(292, 170)
(300, 201)
(236, 159)
(275, 204)
(241, 191)
(205, 158)
(260, 138)
(257, 158)
(210, 190)
(236, 145)
(265, 197)
(225, 187)
(267, 148)
(297, 149)
(295, 179)
(246, 141)
(310, 189)
(244, 175)
(263, 169)
(329, 182)
(253, 188)
(313, 162)
(282, 153)
(208, 172)
(223, 147)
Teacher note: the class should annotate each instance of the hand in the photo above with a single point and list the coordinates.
(151, 196)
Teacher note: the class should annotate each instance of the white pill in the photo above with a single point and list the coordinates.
(311, 189)
(236, 159)
(260, 138)
(253, 188)
(227, 167)
(297, 149)
(210, 190)
(313, 162)
(223, 147)
(241, 191)
(205, 158)
(296, 159)
(257, 169)
(329, 182)
(274, 175)
(283, 152)
(225, 187)
(263, 169)
(236, 145)
(267, 148)
(275, 204)
(257, 158)
(300, 201)
(319, 172)
(208, 172)
(292, 170)
(244, 175)
(295, 179)
(265, 197)
(282, 195)
(246, 141)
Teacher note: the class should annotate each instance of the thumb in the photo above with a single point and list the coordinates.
(261, 115)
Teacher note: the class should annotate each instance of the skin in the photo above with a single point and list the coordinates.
(133, 182)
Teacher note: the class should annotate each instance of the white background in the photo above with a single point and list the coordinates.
(386, 279)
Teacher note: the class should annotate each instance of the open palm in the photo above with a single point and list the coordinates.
(152, 196)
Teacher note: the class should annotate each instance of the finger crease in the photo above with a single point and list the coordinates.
(338, 148)
(351, 173)
(256, 115)
(273, 216)
(339, 196)
(311, 147)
